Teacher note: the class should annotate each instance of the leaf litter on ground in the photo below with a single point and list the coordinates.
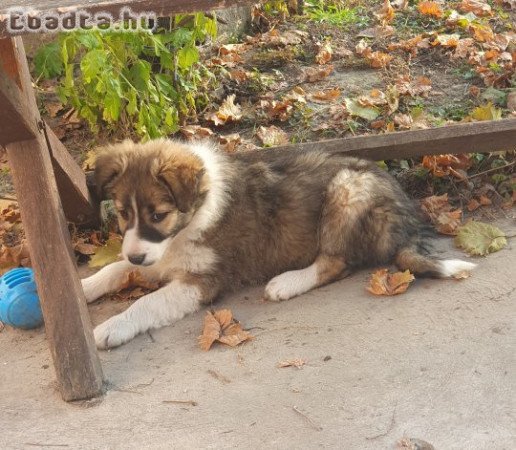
(220, 326)
(384, 283)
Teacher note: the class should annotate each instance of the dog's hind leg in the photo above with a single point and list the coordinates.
(324, 270)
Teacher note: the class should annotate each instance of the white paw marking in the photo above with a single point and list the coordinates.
(114, 332)
(451, 267)
(290, 284)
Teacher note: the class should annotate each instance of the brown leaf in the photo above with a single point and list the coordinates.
(379, 59)
(230, 142)
(404, 121)
(374, 98)
(135, 279)
(430, 9)
(272, 136)
(84, 248)
(297, 362)
(228, 112)
(511, 101)
(277, 110)
(238, 75)
(441, 214)
(328, 95)
(192, 132)
(405, 85)
(473, 205)
(484, 200)
(313, 74)
(324, 54)
(478, 7)
(384, 283)
(221, 326)
(386, 13)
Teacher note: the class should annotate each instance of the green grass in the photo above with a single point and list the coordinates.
(334, 13)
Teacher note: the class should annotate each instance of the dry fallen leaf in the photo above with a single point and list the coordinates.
(413, 444)
(272, 136)
(405, 85)
(430, 9)
(324, 54)
(222, 327)
(192, 132)
(313, 74)
(230, 142)
(478, 7)
(441, 214)
(473, 205)
(328, 95)
(297, 362)
(228, 112)
(384, 283)
(277, 110)
(386, 13)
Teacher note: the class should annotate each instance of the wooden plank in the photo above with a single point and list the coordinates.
(472, 137)
(67, 322)
(71, 183)
(159, 7)
(14, 126)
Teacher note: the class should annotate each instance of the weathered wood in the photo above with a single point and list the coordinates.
(159, 7)
(71, 183)
(462, 138)
(16, 96)
(67, 322)
(14, 126)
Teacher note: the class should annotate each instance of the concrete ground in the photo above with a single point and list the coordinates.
(436, 363)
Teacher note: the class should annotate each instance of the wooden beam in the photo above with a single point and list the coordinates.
(471, 137)
(160, 7)
(14, 125)
(71, 183)
(67, 322)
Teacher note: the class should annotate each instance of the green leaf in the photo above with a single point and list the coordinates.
(187, 57)
(48, 62)
(494, 95)
(108, 253)
(140, 75)
(93, 63)
(478, 238)
(368, 113)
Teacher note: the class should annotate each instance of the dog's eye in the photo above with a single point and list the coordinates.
(123, 214)
(158, 217)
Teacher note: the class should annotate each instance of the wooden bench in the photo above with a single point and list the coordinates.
(50, 185)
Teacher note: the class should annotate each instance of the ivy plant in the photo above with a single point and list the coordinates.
(144, 81)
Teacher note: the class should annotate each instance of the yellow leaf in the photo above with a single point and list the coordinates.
(486, 112)
(108, 253)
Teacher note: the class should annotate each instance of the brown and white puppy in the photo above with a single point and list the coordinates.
(204, 223)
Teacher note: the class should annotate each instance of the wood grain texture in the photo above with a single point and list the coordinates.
(14, 126)
(71, 183)
(159, 7)
(67, 322)
(472, 137)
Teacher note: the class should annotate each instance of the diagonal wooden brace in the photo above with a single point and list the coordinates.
(67, 322)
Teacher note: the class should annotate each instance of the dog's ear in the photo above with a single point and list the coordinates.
(109, 165)
(183, 181)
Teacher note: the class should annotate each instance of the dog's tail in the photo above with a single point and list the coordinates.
(410, 258)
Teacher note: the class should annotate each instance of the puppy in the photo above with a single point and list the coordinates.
(203, 223)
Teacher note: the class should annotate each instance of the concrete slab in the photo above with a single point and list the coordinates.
(436, 363)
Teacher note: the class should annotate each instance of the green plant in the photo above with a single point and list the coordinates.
(142, 80)
(334, 12)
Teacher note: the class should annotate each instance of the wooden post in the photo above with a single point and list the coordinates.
(67, 322)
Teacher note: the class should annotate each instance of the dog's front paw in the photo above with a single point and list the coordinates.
(114, 332)
(279, 289)
(88, 286)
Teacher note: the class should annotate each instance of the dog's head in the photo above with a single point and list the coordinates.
(156, 188)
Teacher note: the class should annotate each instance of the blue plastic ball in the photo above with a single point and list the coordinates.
(19, 301)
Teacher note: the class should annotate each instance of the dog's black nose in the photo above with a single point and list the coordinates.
(136, 259)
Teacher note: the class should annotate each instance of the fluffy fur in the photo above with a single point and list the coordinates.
(203, 223)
